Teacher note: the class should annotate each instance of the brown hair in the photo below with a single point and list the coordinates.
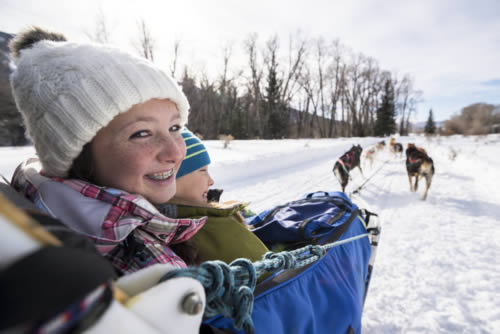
(83, 166)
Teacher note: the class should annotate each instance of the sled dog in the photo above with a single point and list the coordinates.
(395, 147)
(369, 156)
(418, 165)
(348, 161)
(380, 145)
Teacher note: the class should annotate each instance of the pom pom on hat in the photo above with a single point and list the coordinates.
(28, 38)
(68, 91)
(196, 154)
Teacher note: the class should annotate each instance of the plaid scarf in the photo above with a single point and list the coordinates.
(125, 228)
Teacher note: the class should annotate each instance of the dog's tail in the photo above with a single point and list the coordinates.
(427, 168)
(341, 175)
(336, 172)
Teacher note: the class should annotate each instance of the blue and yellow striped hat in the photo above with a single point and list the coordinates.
(196, 154)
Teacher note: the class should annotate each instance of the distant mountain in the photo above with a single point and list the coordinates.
(11, 124)
(419, 126)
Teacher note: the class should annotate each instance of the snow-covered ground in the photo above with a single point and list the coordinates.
(438, 264)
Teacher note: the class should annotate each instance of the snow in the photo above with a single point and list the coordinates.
(438, 264)
(10, 157)
(12, 66)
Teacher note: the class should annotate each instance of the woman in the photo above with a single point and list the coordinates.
(106, 127)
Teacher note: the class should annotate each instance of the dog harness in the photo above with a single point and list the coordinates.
(347, 160)
(343, 166)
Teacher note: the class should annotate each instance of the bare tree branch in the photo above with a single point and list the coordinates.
(175, 58)
(101, 33)
(146, 43)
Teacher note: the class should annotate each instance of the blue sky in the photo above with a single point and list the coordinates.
(451, 48)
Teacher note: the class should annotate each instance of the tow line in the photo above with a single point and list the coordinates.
(358, 189)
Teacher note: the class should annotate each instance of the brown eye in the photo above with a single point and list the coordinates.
(140, 134)
(175, 128)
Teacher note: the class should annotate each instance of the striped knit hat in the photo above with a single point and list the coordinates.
(196, 154)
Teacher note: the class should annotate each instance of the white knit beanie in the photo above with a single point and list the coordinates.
(68, 91)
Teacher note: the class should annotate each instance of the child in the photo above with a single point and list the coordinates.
(224, 236)
(106, 127)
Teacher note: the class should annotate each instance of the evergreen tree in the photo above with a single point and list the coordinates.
(430, 127)
(385, 124)
(11, 124)
(277, 125)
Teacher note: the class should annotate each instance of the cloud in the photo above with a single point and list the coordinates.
(493, 82)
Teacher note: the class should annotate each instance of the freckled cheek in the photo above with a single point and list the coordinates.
(181, 146)
(133, 163)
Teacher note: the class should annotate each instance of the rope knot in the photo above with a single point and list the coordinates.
(219, 292)
(317, 250)
(244, 272)
(282, 260)
(213, 278)
(242, 314)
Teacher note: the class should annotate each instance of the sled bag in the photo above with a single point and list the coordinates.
(324, 297)
(305, 220)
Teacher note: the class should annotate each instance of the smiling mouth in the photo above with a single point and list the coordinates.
(161, 176)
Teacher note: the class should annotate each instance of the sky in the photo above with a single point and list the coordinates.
(437, 267)
(449, 47)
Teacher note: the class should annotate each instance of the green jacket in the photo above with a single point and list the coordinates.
(224, 237)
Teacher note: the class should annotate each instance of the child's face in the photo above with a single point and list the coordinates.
(193, 187)
(141, 150)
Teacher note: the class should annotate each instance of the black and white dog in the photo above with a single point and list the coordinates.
(348, 161)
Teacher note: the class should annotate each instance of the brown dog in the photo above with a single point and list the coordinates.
(418, 165)
(395, 147)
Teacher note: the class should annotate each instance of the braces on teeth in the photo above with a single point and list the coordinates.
(161, 176)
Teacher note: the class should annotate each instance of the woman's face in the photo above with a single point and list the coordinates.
(141, 150)
(192, 188)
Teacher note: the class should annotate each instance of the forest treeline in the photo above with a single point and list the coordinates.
(475, 119)
(315, 89)
(303, 87)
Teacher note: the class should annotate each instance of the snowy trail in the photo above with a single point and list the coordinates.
(277, 178)
(270, 179)
(438, 265)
